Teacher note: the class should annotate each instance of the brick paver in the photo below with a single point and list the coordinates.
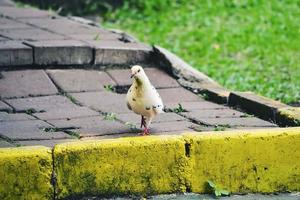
(117, 52)
(14, 53)
(177, 95)
(30, 34)
(19, 13)
(164, 117)
(62, 52)
(76, 80)
(92, 126)
(195, 105)
(25, 83)
(108, 102)
(12, 24)
(29, 130)
(158, 78)
(220, 113)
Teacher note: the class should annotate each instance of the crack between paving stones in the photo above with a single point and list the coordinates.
(53, 175)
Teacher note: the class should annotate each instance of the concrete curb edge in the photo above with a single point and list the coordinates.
(264, 160)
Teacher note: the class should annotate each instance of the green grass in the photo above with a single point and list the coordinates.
(244, 45)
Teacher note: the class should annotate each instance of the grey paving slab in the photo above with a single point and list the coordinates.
(177, 95)
(14, 117)
(5, 107)
(220, 113)
(66, 113)
(163, 127)
(80, 80)
(92, 126)
(3, 143)
(12, 24)
(29, 130)
(42, 104)
(30, 34)
(25, 83)
(64, 26)
(121, 76)
(15, 53)
(193, 106)
(119, 53)
(47, 143)
(103, 101)
(6, 3)
(19, 13)
(163, 117)
(96, 36)
(61, 52)
(158, 78)
(241, 122)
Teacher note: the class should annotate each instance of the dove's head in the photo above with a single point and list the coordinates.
(137, 72)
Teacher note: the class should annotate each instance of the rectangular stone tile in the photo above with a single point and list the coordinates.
(80, 80)
(97, 36)
(121, 76)
(231, 122)
(16, 13)
(25, 83)
(163, 117)
(28, 130)
(15, 53)
(42, 104)
(103, 101)
(14, 117)
(7, 3)
(12, 24)
(5, 107)
(220, 113)
(158, 78)
(196, 105)
(171, 126)
(30, 34)
(64, 26)
(177, 95)
(116, 52)
(47, 143)
(66, 113)
(61, 52)
(91, 126)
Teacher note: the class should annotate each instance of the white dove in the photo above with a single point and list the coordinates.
(142, 98)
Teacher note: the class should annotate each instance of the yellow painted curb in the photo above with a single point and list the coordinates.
(25, 173)
(140, 165)
(289, 115)
(266, 160)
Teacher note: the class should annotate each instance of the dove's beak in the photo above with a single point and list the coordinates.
(132, 75)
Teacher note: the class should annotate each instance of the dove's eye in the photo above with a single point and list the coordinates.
(139, 70)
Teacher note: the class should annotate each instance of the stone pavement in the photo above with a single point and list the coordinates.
(65, 79)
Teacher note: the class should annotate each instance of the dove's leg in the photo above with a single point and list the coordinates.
(143, 122)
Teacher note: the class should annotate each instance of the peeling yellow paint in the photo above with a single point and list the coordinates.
(25, 173)
(266, 160)
(140, 165)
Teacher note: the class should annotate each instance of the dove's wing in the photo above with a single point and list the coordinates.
(153, 100)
